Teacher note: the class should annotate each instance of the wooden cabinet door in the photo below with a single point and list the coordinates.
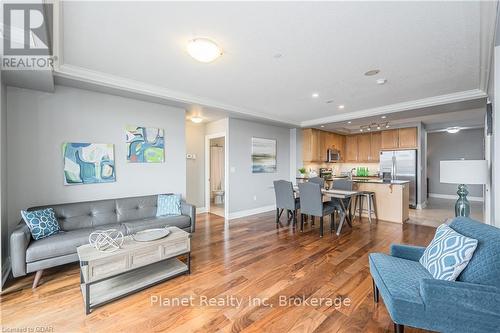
(408, 137)
(364, 147)
(311, 145)
(375, 147)
(338, 142)
(351, 148)
(390, 139)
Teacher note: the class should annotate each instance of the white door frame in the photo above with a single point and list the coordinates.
(226, 171)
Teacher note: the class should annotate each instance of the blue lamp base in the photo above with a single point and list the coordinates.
(462, 206)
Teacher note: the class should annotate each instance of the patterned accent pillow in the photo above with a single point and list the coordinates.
(42, 223)
(168, 204)
(448, 254)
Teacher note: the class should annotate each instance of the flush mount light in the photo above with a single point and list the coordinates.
(381, 81)
(372, 72)
(341, 107)
(196, 120)
(315, 95)
(203, 50)
(453, 130)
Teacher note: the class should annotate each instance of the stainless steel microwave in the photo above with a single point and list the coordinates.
(332, 155)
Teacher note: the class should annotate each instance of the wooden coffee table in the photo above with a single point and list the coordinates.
(107, 276)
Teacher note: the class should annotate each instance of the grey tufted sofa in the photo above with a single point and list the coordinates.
(78, 220)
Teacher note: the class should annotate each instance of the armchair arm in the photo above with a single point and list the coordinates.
(408, 252)
(457, 298)
(189, 210)
(19, 241)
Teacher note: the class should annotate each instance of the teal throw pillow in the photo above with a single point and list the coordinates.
(168, 204)
(42, 223)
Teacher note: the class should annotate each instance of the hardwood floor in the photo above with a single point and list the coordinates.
(247, 258)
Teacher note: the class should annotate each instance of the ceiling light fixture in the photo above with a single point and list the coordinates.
(196, 120)
(322, 126)
(372, 72)
(315, 95)
(203, 50)
(383, 117)
(373, 126)
(453, 130)
(381, 81)
(341, 107)
(349, 122)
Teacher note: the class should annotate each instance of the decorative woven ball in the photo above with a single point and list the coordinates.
(106, 240)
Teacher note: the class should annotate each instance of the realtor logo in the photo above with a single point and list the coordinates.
(27, 36)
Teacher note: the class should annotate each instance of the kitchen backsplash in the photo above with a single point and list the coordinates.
(338, 168)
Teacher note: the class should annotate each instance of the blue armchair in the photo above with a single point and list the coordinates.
(414, 298)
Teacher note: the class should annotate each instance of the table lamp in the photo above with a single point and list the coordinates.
(463, 172)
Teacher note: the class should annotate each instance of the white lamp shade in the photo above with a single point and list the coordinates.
(466, 172)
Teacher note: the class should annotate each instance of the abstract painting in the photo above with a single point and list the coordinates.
(88, 163)
(263, 155)
(145, 145)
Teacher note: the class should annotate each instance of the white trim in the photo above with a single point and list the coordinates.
(405, 106)
(248, 212)
(454, 197)
(487, 28)
(208, 137)
(201, 210)
(5, 271)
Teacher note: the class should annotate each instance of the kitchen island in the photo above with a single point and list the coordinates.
(392, 198)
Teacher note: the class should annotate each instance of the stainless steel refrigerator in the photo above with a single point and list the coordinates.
(402, 164)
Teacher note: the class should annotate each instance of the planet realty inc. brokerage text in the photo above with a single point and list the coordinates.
(237, 302)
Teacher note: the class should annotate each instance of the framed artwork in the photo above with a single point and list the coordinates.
(263, 155)
(88, 163)
(145, 144)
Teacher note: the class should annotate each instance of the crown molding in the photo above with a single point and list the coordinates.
(405, 106)
(96, 78)
(487, 28)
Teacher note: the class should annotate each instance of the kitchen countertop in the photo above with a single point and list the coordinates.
(370, 179)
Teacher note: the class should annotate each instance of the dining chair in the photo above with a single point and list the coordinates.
(318, 180)
(285, 199)
(311, 203)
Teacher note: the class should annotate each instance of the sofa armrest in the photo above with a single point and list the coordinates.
(189, 210)
(19, 241)
(456, 298)
(408, 252)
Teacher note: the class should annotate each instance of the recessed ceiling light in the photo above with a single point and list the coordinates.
(386, 126)
(203, 50)
(383, 117)
(361, 130)
(381, 81)
(322, 126)
(349, 122)
(315, 95)
(372, 72)
(196, 120)
(453, 130)
(378, 127)
(341, 106)
(368, 129)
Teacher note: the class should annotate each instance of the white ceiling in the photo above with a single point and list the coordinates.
(423, 49)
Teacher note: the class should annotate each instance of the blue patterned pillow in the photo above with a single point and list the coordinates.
(42, 223)
(168, 204)
(448, 254)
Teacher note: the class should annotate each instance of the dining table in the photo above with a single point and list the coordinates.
(345, 215)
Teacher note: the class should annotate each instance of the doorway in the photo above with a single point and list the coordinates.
(215, 171)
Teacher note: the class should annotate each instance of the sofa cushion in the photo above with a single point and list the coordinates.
(448, 253)
(63, 243)
(136, 208)
(181, 221)
(484, 267)
(399, 283)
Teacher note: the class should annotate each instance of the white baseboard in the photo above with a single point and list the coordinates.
(201, 210)
(248, 212)
(5, 271)
(454, 197)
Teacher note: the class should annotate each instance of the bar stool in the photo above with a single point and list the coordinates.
(372, 206)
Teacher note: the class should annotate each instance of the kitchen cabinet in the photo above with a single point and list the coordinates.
(375, 145)
(364, 147)
(408, 137)
(351, 148)
(390, 139)
(311, 145)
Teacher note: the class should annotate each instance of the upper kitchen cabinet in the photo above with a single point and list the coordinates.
(376, 142)
(390, 139)
(364, 147)
(408, 137)
(311, 145)
(351, 148)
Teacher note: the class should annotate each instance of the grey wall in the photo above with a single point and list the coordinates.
(38, 123)
(467, 144)
(195, 168)
(243, 184)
